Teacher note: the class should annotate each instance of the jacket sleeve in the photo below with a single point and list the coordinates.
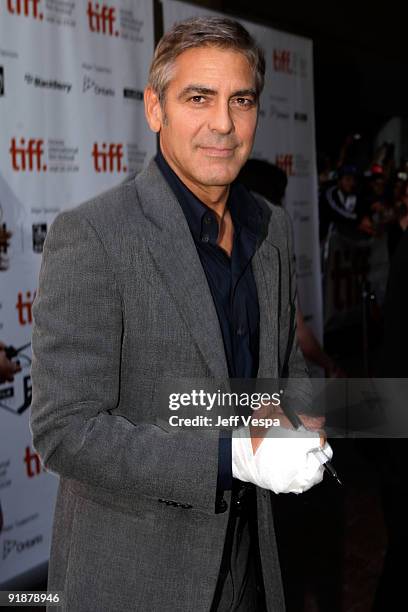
(77, 336)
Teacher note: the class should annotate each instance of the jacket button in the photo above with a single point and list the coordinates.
(221, 506)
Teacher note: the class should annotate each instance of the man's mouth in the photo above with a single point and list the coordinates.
(218, 151)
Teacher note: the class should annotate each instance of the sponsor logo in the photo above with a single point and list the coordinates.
(282, 61)
(39, 234)
(108, 157)
(20, 546)
(300, 217)
(5, 237)
(285, 163)
(294, 165)
(8, 393)
(52, 84)
(90, 85)
(24, 307)
(8, 53)
(1, 81)
(289, 62)
(26, 519)
(27, 155)
(279, 113)
(28, 8)
(300, 117)
(32, 463)
(102, 18)
(133, 94)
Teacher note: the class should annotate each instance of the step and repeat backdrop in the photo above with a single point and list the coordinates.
(72, 125)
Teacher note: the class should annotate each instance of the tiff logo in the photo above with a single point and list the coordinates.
(101, 19)
(24, 308)
(27, 156)
(282, 61)
(32, 463)
(108, 158)
(285, 163)
(28, 8)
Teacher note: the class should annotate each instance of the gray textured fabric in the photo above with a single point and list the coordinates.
(122, 303)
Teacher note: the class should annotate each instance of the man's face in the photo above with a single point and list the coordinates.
(347, 184)
(207, 125)
(378, 186)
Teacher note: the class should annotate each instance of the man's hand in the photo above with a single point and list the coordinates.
(285, 461)
(7, 367)
(269, 411)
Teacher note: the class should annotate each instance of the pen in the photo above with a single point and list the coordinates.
(319, 452)
(325, 462)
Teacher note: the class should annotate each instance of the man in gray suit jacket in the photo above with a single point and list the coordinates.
(174, 274)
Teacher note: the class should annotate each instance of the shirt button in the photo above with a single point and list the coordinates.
(205, 238)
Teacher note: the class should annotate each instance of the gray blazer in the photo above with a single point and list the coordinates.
(123, 302)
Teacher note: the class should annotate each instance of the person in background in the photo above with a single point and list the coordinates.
(397, 228)
(342, 205)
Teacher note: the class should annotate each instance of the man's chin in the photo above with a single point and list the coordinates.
(219, 177)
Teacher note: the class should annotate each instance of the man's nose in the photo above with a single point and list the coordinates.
(220, 119)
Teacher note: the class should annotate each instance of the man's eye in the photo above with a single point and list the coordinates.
(197, 99)
(244, 102)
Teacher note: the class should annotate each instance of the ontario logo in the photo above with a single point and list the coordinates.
(20, 546)
(90, 85)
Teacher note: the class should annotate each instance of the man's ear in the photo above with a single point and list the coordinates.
(153, 110)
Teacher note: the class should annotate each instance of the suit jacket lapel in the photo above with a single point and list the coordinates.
(266, 268)
(172, 248)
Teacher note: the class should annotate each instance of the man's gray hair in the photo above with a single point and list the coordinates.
(203, 32)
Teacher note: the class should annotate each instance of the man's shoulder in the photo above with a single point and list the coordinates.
(111, 207)
(275, 215)
(121, 204)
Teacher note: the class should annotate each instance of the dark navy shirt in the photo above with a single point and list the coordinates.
(230, 279)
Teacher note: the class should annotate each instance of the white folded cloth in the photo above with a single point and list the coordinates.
(286, 461)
